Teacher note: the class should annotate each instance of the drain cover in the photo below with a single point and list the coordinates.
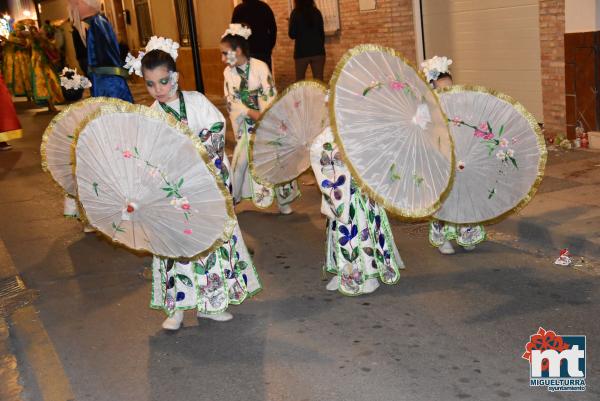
(14, 295)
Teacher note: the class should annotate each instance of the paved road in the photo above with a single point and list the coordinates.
(453, 329)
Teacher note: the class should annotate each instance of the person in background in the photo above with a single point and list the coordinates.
(44, 79)
(259, 17)
(249, 91)
(70, 51)
(306, 28)
(16, 63)
(103, 55)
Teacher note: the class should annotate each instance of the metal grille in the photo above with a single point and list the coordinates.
(144, 22)
(14, 295)
(182, 22)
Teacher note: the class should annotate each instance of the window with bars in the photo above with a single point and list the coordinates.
(330, 9)
(183, 26)
(144, 22)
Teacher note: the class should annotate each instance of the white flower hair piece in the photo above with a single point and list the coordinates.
(134, 64)
(435, 66)
(238, 30)
(165, 44)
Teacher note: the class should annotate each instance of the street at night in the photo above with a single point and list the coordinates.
(454, 327)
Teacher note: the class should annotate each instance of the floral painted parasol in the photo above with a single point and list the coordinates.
(280, 150)
(500, 153)
(145, 181)
(391, 130)
(58, 138)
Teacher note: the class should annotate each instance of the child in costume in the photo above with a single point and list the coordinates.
(360, 247)
(44, 80)
(249, 90)
(224, 277)
(16, 63)
(437, 73)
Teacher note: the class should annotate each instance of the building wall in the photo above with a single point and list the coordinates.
(492, 43)
(212, 18)
(582, 15)
(390, 24)
(133, 37)
(164, 18)
(552, 40)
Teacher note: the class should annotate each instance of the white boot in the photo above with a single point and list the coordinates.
(285, 209)
(173, 322)
(70, 209)
(371, 285)
(88, 229)
(218, 317)
(469, 248)
(333, 284)
(446, 248)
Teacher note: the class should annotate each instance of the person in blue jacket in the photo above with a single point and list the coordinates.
(105, 69)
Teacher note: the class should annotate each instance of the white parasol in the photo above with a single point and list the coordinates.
(391, 130)
(58, 138)
(500, 153)
(145, 181)
(280, 150)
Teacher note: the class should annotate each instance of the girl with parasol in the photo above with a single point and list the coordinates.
(437, 73)
(226, 276)
(249, 91)
(360, 247)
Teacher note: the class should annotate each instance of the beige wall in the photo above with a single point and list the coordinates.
(164, 19)
(133, 38)
(494, 43)
(582, 15)
(212, 18)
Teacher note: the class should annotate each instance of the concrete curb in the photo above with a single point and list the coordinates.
(27, 332)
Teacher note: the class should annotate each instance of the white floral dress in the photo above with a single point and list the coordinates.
(360, 243)
(464, 235)
(247, 87)
(226, 276)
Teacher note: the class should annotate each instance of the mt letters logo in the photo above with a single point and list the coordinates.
(556, 362)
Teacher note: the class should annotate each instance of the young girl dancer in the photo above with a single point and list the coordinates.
(360, 245)
(249, 90)
(437, 72)
(226, 276)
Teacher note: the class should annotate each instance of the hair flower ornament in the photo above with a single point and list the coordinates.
(134, 64)
(238, 30)
(435, 66)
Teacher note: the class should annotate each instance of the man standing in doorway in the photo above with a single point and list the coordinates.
(259, 17)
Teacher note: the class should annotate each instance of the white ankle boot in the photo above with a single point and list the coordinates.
(218, 317)
(173, 322)
(285, 209)
(371, 285)
(88, 229)
(446, 248)
(333, 284)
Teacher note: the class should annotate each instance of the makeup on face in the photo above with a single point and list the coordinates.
(160, 83)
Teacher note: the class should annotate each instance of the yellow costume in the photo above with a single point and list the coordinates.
(46, 86)
(17, 62)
